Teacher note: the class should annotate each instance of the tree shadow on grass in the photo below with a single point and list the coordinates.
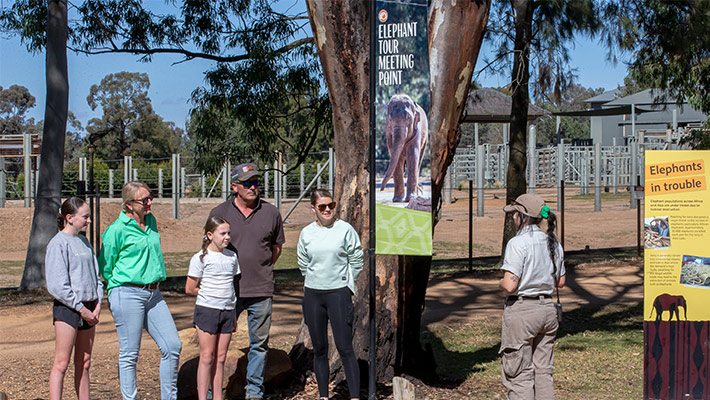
(622, 317)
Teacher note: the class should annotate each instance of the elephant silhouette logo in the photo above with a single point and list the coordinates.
(407, 134)
(670, 303)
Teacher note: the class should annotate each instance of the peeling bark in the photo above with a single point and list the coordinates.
(342, 38)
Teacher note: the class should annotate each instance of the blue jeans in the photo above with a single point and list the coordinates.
(133, 309)
(259, 320)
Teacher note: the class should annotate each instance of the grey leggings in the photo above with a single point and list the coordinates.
(335, 305)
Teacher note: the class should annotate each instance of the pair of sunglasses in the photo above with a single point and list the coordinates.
(145, 200)
(322, 207)
(249, 184)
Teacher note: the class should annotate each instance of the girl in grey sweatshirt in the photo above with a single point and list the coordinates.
(72, 278)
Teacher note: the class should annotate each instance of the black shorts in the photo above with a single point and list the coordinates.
(61, 312)
(214, 321)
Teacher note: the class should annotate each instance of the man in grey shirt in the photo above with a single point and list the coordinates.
(257, 237)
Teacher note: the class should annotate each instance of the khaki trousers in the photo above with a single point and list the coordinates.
(527, 342)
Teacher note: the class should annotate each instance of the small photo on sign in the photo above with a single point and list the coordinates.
(695, 271)
(657, 233)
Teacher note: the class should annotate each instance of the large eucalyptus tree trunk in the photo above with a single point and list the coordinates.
(516, 181)
(44, 222)
(340, 28)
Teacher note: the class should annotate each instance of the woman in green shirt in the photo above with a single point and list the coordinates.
(131, 262)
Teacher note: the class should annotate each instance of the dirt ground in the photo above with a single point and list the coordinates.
(614, 226)
(27, 344)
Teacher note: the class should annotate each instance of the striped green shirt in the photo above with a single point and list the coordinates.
(130, 254)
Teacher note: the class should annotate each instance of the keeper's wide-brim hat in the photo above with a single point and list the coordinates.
(528, 204)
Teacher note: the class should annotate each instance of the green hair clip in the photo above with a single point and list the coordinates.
(545, 211)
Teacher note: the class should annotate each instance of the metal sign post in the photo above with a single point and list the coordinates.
(372, 381)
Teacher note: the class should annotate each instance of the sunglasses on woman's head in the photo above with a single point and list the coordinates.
(322, 207)
(145, 200)
(249, 184)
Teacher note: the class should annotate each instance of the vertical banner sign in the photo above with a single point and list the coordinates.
(677, 275)
(402, 150)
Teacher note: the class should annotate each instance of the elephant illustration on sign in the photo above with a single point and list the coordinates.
(407, 133)
(670, 303)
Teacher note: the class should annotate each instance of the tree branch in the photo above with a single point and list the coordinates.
(191, 54)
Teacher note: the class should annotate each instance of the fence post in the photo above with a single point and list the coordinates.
(204, 192)
(501, 164)
(135, 173)
(318, 184)
(506, 152)
(475, 134)
(82, 168)
(160, 183)
(26, 149)
(560, 174)
(480, 167)
(615, 167)
(585, 171)
(331, 169)
(182, 181)
(300, 188)
(277, 184)
(641, 155)
(110, 183)
(126, 169)
(446, 190)
(632, 171)
(176, 185)
(284, 186)
(266, 181)
(3, 182)
(225, 181)
(532, 164)
(597, 177)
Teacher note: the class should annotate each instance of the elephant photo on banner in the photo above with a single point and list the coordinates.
(402, 152)
(407, 134)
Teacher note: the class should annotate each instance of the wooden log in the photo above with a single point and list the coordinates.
(402, 389)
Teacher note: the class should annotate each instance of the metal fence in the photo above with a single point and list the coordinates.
(173, 177)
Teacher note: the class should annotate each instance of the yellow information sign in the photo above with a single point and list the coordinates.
(677, 236)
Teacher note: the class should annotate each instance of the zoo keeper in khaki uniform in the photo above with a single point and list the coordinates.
(533, 266)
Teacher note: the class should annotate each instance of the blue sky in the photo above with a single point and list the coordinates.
(172, 84)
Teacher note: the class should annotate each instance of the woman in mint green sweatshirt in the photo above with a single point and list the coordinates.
(330, 257)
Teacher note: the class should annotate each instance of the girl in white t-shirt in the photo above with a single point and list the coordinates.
(211, 278)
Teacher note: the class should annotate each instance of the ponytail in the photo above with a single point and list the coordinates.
(205, 244)
(69, 207)
(552, 240)
(210, 226)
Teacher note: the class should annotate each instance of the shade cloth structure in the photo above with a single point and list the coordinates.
(618, 110)
(491, 106)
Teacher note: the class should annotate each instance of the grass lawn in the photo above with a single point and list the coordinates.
(605, 196)
(176, 264)
(598, 354)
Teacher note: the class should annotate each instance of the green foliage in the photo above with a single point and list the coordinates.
(254, 108)
(15, 101)
(266, 90)
(554, 26)
(570, 99)
(129, 126)
(698, 139)
(74, 144)
(671, 47)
